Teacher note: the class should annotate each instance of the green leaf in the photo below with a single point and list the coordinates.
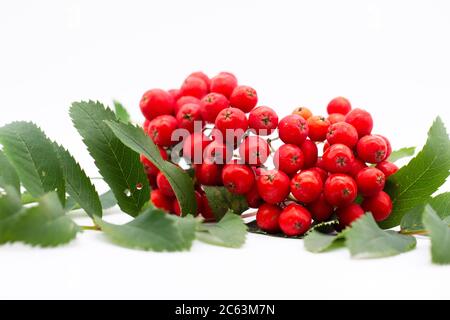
(221, 200)
(121, 112)
(229, 232)
(414, 183)
(119, 165)
(8, 175)
(440, 236)
(78, 185)
(402, 153)
(32, 155)
(316, 241)
(183, 186)
(366, 240)
(152, 230)
(108, 200)
(412, 220)
(10, 206)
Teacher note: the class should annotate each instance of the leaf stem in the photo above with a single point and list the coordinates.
(94, 228)
(416, 232)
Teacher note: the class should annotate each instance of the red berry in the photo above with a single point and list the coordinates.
(361, 120)
(175, 93)
(320, 209)
(342, 133)
(217, 152)
(339, 105)
(338, 159)
(160, 201)
(194, 87)
(254, 150)
(187, 115)
(318, 128)
(145, 125)
(201, 75)
(306, 186)
(207, 212)
(370, 181)
(164, 185)
(223, 83)
(244, 98)
(160, 129)
(326, 146)
(185, 100)
(177, 209)
(293, 129)
(208, 173)
(380, 205)
(304, 112)
(194, 146)
(356, 166)
(152, 181)
(294, 220)
(263, 120)
(340, 190)
(156, 102)
(232, 121)
(238, 178)
(372, 149)
(289, 158)
(253, 198)
(388, 145)
(273, 186)
(149, 166)
(212, 104)
(267, 218)
(336, 118)
(388, 168)
(310, 152)
(348, 214)
(322, 173)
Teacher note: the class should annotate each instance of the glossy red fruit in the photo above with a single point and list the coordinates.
(185, 100)
(339, 105)
(356, 166)
(267, 218)
(207, 212)
(336, 118)
(342, 133)
(320, 209)
(244, 98)
(217, 152)
(238, 178)
(371, 149)
(307, 186)
(338, 159)
(318, 128)
(273, 186)
(304, 112)
(294, 220)
(326, 145)
(175, 93)
(388, 168)
(370, 181)
(263, 120)
(322, 173)
(212, 104)
(232, 121)
(293, 129)
(208, 173)
(152, 181)
(380, 205)
(254, 200)
(310, 152)
(289, 158)
(156, 102)
(194, 146)
(187, 115)
(224, 83)
(201, 75)
(361, 120)
(149, 166)
(340, 190)
(176, 209)
(254, 150)
(194, 87)
(161, 201)
(145, 125)
(388, 145)
(160, 129)
(347, 215)
(164, 185)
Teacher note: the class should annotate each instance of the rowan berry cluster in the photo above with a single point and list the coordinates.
(230, 141)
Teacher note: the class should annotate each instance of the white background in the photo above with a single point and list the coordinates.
(390, 57)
